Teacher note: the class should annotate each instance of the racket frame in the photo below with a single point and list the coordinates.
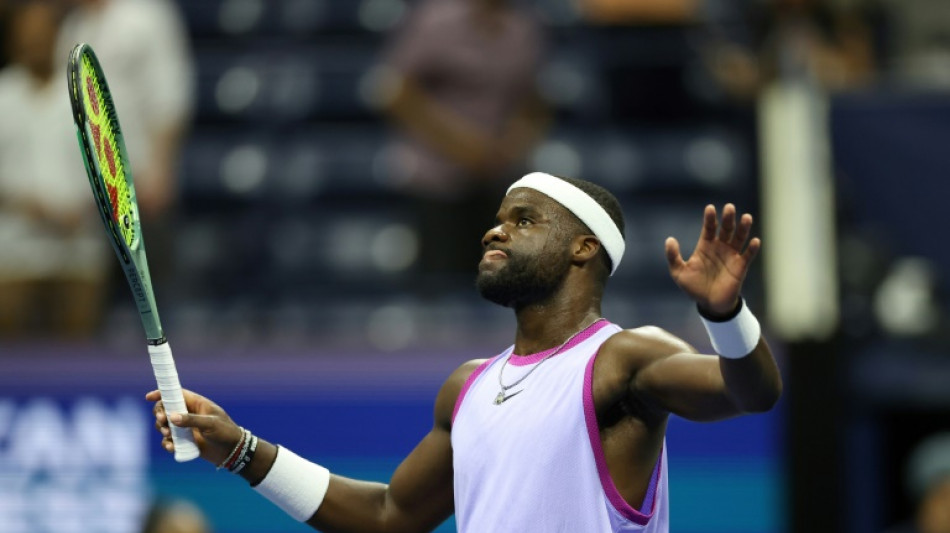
(132, 256)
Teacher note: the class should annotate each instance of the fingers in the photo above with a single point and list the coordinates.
(194, 402)
(159, 411)
(673, 256)
(727, 228)
(752, 250)
(191, 398)
(743, 229)
(731, 229)
(214, 431)
(203, 423)
(161, 421)
(709, 223)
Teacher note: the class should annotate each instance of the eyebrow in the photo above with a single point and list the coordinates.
(521, 210)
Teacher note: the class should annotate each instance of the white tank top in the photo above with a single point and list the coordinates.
(535, 463)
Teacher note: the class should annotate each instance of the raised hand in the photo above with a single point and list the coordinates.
(215, 433)
(713, 274)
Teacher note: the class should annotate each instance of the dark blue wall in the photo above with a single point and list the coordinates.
(358, 415)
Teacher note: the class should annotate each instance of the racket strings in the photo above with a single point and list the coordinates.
(103, 127)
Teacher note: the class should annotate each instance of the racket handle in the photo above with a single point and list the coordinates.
(163, 364)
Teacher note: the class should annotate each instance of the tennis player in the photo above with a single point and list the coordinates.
(564, 430)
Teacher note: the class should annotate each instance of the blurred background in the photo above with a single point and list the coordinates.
(314, 177)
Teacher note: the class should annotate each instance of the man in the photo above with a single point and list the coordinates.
(565, 430)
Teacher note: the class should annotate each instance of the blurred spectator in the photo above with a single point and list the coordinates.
(830, 42)
(462, 90)
(919, 42)
(639, 11)
(928, 480)
(52, 250)
(176, 516)
(4, 8)
(144, 50)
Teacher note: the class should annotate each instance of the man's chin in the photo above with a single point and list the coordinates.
(488, 288)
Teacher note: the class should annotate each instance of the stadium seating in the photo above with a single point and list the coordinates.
(290, 223)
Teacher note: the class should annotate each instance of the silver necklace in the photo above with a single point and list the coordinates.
(503, 393)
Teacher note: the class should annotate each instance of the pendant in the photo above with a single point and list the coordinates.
(502, 397)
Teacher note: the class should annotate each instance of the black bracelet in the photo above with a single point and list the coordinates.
(247, 455)
(735, 312)
(246, 474)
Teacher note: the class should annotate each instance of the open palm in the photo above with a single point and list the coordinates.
(713, 274)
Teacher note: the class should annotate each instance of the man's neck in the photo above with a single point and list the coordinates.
(545, 326)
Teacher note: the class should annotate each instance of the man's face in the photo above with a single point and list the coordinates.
(526, 254)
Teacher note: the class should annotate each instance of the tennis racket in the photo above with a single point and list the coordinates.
(110, 175)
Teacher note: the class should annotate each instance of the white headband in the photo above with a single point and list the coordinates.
(583, 206)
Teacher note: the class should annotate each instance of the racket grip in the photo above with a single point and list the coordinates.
(163, 365)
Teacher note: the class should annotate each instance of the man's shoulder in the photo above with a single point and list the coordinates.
(457, 379)
(642, 337)
(640, 345)
(448, 397)
(466, 369)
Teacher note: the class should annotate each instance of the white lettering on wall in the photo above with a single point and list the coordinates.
(76, 467)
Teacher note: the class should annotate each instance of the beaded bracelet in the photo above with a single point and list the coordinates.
(233, 455)
(247, 455)
(245, 443)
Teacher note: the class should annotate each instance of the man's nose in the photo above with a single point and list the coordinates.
(496, 234)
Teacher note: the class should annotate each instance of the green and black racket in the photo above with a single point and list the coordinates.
(110, 175)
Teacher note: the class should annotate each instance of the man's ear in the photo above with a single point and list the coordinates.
(584, 248)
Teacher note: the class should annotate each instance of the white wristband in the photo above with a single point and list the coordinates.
(736, 337)
(295, 485)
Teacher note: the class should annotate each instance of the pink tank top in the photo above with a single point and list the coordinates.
(535, 463)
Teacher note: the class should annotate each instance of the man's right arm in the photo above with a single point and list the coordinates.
(418, 498)
(420, 495)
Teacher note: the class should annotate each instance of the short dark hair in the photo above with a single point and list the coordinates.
(605, 199)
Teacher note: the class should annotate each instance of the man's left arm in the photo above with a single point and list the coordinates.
(668, 373)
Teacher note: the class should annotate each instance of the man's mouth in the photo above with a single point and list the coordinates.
(494, 255)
